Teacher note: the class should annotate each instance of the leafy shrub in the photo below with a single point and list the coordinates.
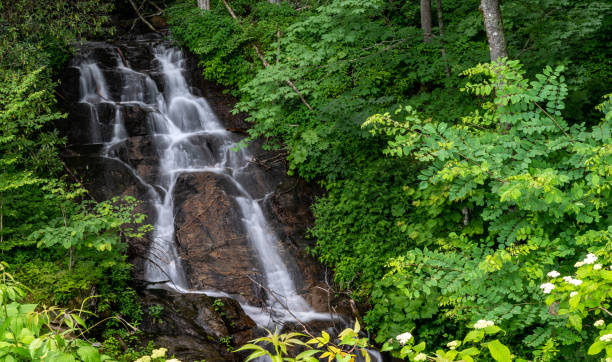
(33, 334)
(536, 188)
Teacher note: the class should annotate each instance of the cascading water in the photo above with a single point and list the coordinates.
(178, 117)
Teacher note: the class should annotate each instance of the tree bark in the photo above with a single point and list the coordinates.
(277, 2)
(204, 4)
(494, 26)
(443, 47)
(426, 20)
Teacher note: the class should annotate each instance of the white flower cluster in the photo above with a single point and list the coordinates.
(404, 338)
(597, 266)
(482, 324)
(606, 338)
(547, 287)
(452, 344)
(590, 259)
(599, 323)
(572, 281)
(159, 353)
(420, 357)
(553, 274)
(573, 294)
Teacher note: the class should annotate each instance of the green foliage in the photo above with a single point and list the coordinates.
(533, 191)
(224, 59)
(28, 333)
(284, 345)
(489, 188)
(358, 211)
(586, 297)
(92, 225)
(37, 33)
(155, 312)
(38, 207)
(469, 349)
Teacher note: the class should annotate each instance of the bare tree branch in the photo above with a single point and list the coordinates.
(265, 62)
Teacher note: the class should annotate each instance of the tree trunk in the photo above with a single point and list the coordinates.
(494, 26)
(274, 2)
(443, 47)
(204, 4)
(426, 20)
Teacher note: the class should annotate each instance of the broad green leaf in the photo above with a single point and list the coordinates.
(89, 354)
(499, 352)
(596, 347)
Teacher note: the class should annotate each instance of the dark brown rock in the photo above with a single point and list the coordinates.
(159, 22)
(139, 153)
(212, 241)
(135, 119)
(191, 326)
(79, 128)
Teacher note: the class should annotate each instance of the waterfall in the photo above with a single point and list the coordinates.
(177, 116)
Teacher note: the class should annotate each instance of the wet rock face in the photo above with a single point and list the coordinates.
(211, 239)
(210, 234)
(133, 116)
(200, 321)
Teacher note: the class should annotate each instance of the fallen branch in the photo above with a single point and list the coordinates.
(142, 17)
(265, 62)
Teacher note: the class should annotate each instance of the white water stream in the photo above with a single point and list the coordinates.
(177, 116)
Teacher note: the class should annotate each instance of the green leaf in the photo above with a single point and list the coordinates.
(256, 354)
(475, 335)
(575, 321)
(499, 352)
(596, 347)
(89, 354)
(419, 347)
(492, 329)
(472, 351)
(308, 353)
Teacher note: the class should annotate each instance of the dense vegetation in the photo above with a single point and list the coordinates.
(470, 180)
(62, 248)
(466, 204)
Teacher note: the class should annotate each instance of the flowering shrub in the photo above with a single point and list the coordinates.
(468, 350)
(523, 190)
(586, 296)
(157, 355)
(403, 346)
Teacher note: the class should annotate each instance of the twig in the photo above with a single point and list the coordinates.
(265, 62)
(605, 310)
(122, 56)
(157, 7)
(273, 295)
(555, 122)
(442, 46)
(77, 180)
(142, 17)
